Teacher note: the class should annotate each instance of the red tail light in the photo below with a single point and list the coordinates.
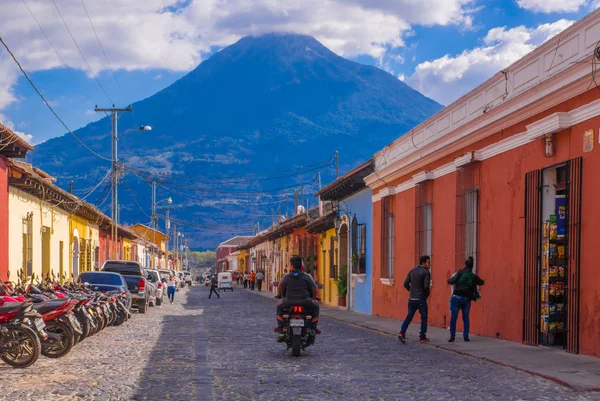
(142, 285)
(159, 285)
(297, 309)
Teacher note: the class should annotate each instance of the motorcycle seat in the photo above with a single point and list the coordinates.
(11, 307)
(49, 305)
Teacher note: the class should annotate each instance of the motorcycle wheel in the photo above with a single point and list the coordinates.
(67, 340)
(296, 345)
(120, 318)
(24, 349)
(85, 325)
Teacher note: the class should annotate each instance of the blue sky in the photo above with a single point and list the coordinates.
(442, 48)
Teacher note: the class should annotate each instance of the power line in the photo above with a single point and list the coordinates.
(44, 32)
(135, 199)
(100, 43)
(48, 104)
(80, 51)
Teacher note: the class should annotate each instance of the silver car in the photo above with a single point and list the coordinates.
(154, 278)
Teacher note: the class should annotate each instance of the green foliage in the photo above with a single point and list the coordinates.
(342, 282)
(206, 258)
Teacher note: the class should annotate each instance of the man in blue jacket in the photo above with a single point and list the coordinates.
(418, 282)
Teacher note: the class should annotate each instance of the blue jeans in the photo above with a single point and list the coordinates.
(171, 292)
(413, 306)
(459, 303)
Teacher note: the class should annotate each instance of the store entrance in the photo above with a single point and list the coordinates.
(555, 236)
(552, 254)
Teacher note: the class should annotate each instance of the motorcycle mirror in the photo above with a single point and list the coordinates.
(86, 284)
(8, 274)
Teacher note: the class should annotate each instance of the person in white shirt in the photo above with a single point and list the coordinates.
(171, 288)
(259, 280)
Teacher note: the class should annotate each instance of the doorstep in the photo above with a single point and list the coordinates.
(579, 372)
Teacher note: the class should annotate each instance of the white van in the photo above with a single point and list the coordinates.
(225, 281)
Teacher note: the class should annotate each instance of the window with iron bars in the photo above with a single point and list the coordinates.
(359, 247)
(423, 219)
(467, 214)
(387, 238)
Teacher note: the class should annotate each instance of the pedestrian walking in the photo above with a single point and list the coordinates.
(259, 280)
(418, 282)
(213, 287)
(465, 290)
(252, 280)
(246, 278)
(171, 288)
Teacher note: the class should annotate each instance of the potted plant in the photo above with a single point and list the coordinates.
(342, 286)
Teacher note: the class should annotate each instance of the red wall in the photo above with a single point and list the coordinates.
(3, 218)
(501, 227)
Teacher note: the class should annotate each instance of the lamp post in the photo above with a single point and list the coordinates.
(114, 112)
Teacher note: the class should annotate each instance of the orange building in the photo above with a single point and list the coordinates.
(508, 174)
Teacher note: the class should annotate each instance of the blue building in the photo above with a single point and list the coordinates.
(352, 200)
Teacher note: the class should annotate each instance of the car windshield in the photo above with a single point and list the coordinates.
(100, 278)
(154, 275)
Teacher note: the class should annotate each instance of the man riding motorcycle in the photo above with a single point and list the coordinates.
(297, 289)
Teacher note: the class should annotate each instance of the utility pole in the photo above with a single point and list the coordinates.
(287, 205)
(114, 112)
(153, 217)
(319, 199)
(337, 165)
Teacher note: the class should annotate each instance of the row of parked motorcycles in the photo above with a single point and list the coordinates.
(49, 318)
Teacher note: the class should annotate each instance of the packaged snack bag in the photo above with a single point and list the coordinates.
(553, 231)
(560, 251)
(544, 324)
(552, 327)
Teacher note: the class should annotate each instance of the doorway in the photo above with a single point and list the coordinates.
(552, 248)
(45, 253)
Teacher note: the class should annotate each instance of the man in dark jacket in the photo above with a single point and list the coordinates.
(214, 283)
(418, 282)
(297, 289)
(465, 290)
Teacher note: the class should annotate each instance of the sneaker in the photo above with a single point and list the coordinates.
(282, 338)
(424, 340)
(402, 338)
(467, 340)
(451, 340)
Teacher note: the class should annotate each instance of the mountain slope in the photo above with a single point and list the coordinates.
(263, 104)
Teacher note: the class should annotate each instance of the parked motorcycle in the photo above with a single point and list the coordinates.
(19, 344)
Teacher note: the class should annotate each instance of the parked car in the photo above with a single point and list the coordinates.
(136, 281)
(165, 273)
(156, 281)
(106, 281)
(188, 278)
(181, 279)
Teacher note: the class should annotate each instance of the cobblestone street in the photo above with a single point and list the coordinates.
(224, 349)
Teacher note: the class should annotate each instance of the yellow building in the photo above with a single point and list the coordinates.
(57, 232)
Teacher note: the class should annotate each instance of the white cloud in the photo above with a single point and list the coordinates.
(552, 6)
(449, 77)
(402, 77)
(7, 123)
(174, 35)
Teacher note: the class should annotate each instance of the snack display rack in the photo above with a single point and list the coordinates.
(553, 283)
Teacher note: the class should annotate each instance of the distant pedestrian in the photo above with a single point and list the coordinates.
(252, 280)
(213, 287)
(171, 288)
(259, 280)
(418, 282)
(465, 290)
(246, 278)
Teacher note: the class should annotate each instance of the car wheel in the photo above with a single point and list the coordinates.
(152, 304)
(158, 301)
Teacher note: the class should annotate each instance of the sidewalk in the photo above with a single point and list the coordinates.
(579, 372)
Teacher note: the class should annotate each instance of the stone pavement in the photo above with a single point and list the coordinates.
(579, 372)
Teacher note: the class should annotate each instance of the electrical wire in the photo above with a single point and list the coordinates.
(44, 32)
(48, 104)
(135, 199)
(100, 44)
(81, 52)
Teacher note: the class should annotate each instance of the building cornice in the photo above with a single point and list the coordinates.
(557, 68)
